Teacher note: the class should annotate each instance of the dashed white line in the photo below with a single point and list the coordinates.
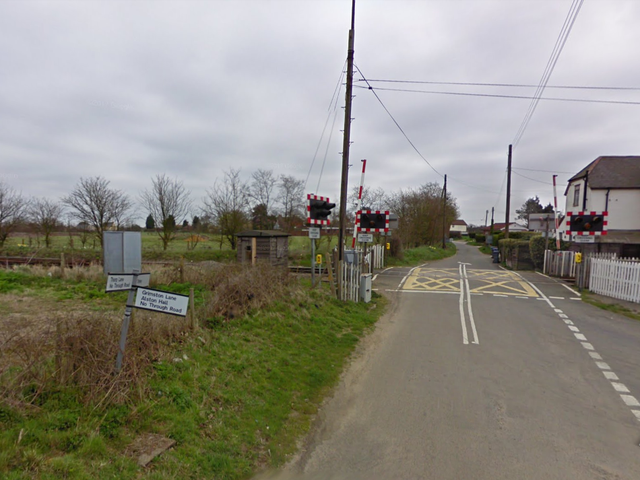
(620, 387)
(636, 413)
(568, 322)
(557, 298)
(497, 295)
(610, 376)
(603, 366)
(574, 328)
(630, 400)
(562, 315)
(575, 298)
(568, 288)
(580, 336)
(595, 355)
(588, 346)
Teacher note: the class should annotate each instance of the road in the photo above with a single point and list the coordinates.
(481, 373)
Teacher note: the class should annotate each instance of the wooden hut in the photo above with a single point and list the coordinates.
(263, 246)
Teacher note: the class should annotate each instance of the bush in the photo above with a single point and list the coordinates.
(536, 248)
(480, 237)
(472, 235)
(455, 234)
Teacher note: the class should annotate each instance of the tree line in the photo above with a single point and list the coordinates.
(265, 202)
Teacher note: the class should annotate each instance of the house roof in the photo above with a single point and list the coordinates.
(610, 172)
(459, 222)
(262, 233)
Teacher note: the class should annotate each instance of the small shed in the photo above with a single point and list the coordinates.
(263, 245)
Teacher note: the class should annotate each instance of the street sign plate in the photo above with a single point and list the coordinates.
(118, 282)
(159, 301)
(365, 237)
(314, 232)
(583, 239)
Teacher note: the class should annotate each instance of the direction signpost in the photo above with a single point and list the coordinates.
(161, 301)
(120, 282)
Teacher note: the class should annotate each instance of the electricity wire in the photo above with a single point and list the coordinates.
(479, 84)
(397, 124)
(495, 95)
(551, 63)
(532, 179)
(333, 103)
(537, 170)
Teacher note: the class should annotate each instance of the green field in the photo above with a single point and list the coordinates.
(235, 394)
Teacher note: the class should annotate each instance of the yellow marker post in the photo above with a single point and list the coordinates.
(388, 246)
(319, 259)
(578, 257)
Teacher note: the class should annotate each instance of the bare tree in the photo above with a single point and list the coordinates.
(228, 201)
(292, 200)
(12, 209)
(262, 187)
(46, 215)
(93, 202)
(169, 204)
(372, 199)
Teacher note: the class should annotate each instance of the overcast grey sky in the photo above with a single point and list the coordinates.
(129, 89)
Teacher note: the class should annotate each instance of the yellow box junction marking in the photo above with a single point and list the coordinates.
(480, 281)
(433, 280)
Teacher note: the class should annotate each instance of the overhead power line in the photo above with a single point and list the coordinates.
(516, 85)
(490, 95)
(538, 170)
(397, 124)
(532, 179)
(551, 63)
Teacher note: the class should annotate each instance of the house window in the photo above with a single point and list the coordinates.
(576, 195)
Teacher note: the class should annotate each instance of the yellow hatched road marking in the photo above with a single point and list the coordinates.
(448, 280)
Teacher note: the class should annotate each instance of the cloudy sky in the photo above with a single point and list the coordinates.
(130, 89)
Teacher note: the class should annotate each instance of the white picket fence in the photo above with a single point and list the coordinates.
(349, 281)
(617, 278)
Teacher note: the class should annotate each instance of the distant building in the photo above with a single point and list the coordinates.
(458, 226)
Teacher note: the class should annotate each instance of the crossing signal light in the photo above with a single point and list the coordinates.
(586, 223)
(319, 209)
(378, 221)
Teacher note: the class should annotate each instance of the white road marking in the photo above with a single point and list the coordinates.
(568, 322)
(580, 336)
(575, 298)
(557, 298)
(603, 366)
(465, 338)
(568, 288)
(471, 320)
(588, 346)
(543, 275)
(419, 291)
(525, 298)
(620, 387)
(544, 297)
(557, 310)
(405, 278)
(374, 277)
(630, 400)
(562, 315)
(595, 355)
(574, 328)
(636, 413)
(497, 295)
(610, 376)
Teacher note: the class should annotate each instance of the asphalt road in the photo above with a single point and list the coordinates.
(480, 373)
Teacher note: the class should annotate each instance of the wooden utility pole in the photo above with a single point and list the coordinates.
(347, 136)
(444, 213)
(506, 227)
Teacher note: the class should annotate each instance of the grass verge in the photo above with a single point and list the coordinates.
(611, 307)
(235, 395)
(416, 256)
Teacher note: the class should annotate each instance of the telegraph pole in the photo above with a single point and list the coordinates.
(506, 227)
(444, 212)
(347, 135)
(486, 214)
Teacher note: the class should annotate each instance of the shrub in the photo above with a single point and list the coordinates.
(472, 235)
(481, 237)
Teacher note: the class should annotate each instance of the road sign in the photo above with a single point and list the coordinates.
(583, 239)
(314, 232)
(118, 282)
(159, 301)
(365, 237)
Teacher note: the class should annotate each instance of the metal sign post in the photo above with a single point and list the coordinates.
(126, 320)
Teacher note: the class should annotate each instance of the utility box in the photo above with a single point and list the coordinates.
(122, 252)
(365, 287)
